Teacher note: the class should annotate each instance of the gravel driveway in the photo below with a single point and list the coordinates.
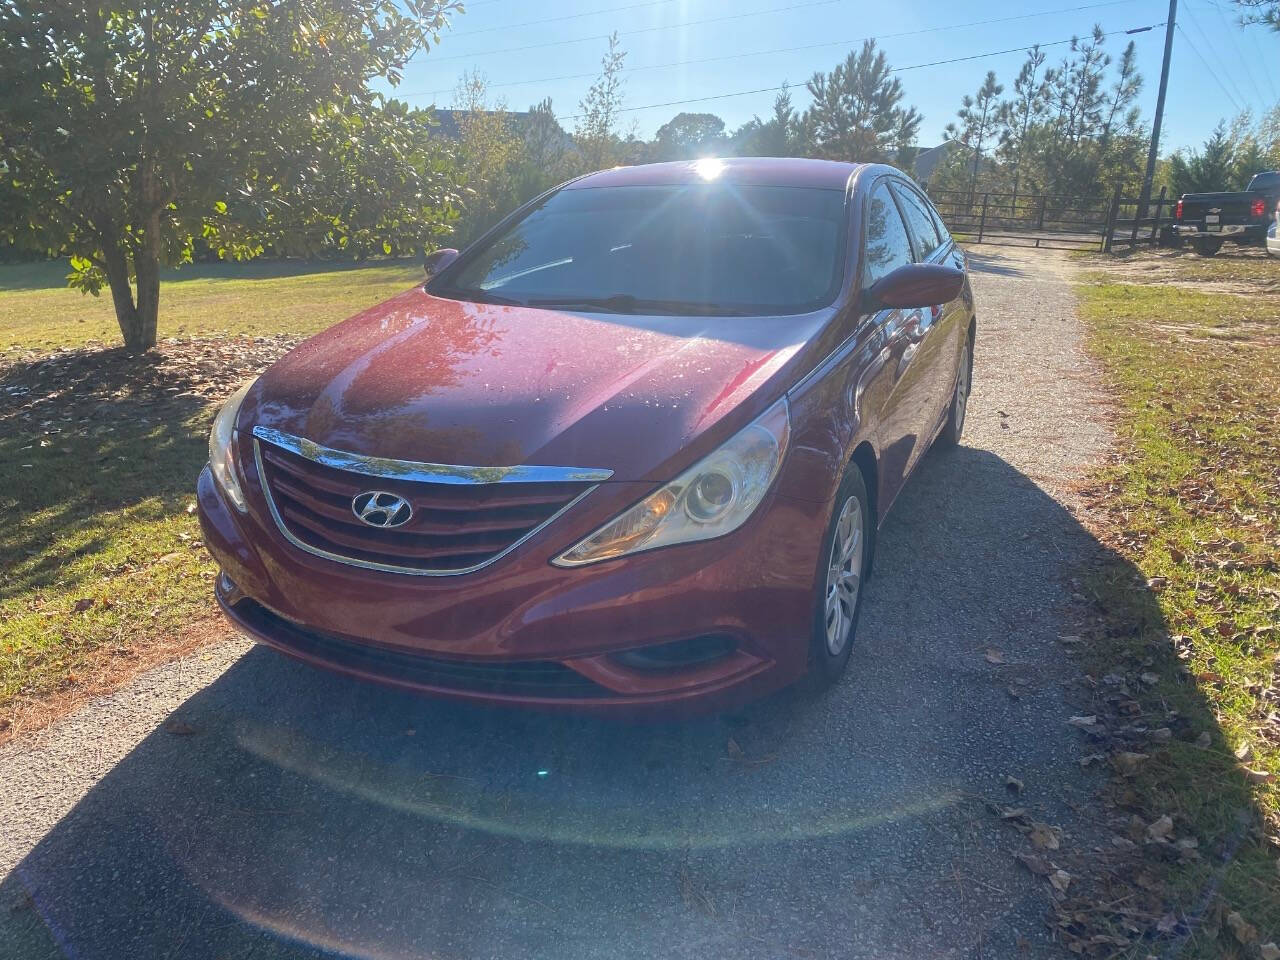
(236, 804)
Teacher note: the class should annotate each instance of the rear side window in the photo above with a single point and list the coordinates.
(1265, 181)
(924, 233)
(887, 246)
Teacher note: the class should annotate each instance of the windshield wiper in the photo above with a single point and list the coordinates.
(628, 303)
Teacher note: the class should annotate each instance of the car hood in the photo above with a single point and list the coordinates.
(445, 381)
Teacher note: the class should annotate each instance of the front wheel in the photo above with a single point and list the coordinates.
(845, 556)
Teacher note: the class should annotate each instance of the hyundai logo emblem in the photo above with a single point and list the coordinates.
(378, 508)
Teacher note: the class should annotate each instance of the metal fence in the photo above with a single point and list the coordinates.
(1054, 222)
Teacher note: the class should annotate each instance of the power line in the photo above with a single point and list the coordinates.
(1187, 37)
(1235, 42)
(632, 33)
(568, 16)
(1212, 50)
(915, 66)
(776, 50)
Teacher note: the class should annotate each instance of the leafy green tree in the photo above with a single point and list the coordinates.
(857, 112)
(1265, 12)
(776, 137)
(1026, 108)
(689, 135)
(1207, 170)
(490, 151)
(128, 131)
(597, 134)
(980, 116)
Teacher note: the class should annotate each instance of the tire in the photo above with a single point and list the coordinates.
(840, 579)
(1206, 247)
(954, 425)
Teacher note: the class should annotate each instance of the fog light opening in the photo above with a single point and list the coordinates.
(678, 654)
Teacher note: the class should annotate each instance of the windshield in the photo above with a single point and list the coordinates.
(683, 249)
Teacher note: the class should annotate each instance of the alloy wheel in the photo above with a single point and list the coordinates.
(844, 575)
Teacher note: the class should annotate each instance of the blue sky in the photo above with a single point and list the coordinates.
(1245, 62)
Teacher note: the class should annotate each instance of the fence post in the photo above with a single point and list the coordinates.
(1155, 224)
(982, 223)
(1111, 220)
(1133, 236)
(1040, 216)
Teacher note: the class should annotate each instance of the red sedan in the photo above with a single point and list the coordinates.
(628, 450)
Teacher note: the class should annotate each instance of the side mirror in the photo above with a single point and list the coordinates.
(437, 261)
(912, 286)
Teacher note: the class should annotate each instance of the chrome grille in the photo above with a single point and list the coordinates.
(464, 518)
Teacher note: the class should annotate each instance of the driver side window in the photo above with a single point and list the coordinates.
(886, 243)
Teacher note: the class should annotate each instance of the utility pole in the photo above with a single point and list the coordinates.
(1145, 198)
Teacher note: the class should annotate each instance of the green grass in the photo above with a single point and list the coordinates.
(1194, 503)
(38, 312)
(99, 454)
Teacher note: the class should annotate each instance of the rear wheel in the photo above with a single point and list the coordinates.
(845, 556)
(954, 427)
(1206, 246)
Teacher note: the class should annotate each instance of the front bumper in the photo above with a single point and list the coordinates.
(523, 632)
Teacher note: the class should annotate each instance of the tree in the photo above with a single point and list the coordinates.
(857, 112)
(1265, 12)
(489, 153)
(688, 135)
(597, 131)
(980, 115)
(776, 137)
(1026, 108)
(1204, 171)
(127, 132)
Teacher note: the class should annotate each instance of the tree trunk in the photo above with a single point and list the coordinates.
(137, 321)
(146, 267)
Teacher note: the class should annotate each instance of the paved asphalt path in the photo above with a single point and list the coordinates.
(237, 805)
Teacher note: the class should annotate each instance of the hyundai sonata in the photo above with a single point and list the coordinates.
(629, 450)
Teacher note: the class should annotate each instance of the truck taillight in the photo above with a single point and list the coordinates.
(1259, 208)
(1177, 211)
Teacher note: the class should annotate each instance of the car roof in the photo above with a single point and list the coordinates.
(755, 171)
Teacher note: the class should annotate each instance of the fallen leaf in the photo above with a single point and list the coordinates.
(1269, 951)
(1204, 740)
(1013, 813)
(1059, 880)
(1258, 776)
(1090, 721)
(1070, 639)
(1150, 679)
(1244, 931)
(1162, 735)
(179, 729)
(83, 604)
(1161, 828)
(994, 656)
(1044, 836)
(1242, 751)
(191, 508)
(1013, 783)
(1127, 762)
(1037, 865)
(1167, 924)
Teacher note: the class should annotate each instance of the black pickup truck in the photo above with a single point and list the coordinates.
(1210, 219)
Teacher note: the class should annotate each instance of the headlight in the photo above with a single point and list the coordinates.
(713, 497)
(222, 448)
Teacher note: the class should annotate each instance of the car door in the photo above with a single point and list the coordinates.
(937, 355)
(887, 246)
